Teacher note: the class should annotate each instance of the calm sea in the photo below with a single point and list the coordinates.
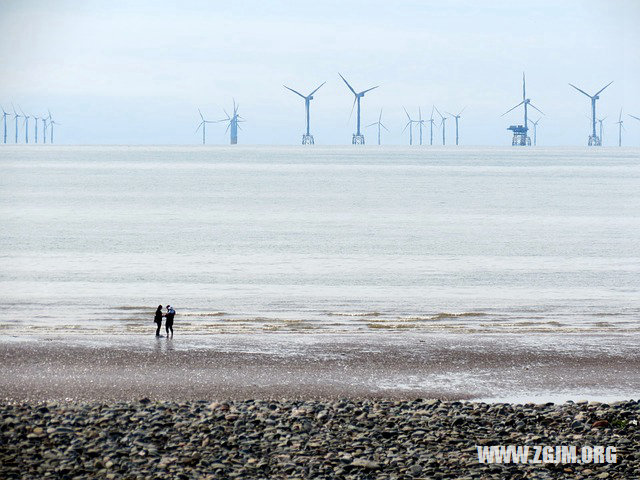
(321, 239)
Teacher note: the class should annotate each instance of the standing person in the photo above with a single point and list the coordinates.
(158, 319)
(169, 325)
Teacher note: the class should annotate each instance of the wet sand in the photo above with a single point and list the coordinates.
(513, 368)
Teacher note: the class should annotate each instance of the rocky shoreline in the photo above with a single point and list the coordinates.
(349, 439)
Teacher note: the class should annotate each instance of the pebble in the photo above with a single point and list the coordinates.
(349, 439)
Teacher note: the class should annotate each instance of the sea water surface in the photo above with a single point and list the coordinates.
(320, 239)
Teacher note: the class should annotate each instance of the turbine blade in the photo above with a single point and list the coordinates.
(582, 91)
(620, 117)
(405, 111)
(524, 95)
(405, 127)
(512, 109)
(352, 107)
(438, 111)
(316, 89)
(294, 91)
(632, 116)
(532, 105)
(345, 81)
(384, 127)
(460, 112)
(368, 90)
(371, 124)
(600, 91)
(380, 117)
(199, 125)
(201, 115)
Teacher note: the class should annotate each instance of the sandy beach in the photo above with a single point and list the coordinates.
(513, 368)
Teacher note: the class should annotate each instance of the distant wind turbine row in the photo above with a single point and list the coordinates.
(520, 132)
(47, 121)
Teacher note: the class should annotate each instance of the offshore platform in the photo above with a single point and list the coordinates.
(520, 132)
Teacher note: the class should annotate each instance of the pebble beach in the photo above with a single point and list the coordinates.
(428, 439)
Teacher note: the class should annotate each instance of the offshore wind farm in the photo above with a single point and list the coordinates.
(521, 131)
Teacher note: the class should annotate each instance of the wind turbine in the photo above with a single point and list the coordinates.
(233, 123)
(457, 117)
(593, 138)
(26, 124)
(431, 122)
(51, 124)
(520, 137)
(307, 138)
(16, 116)
(4, 120)
(410, 125)
(535, 131)
(379, 124)
(442, 124)
(203, 124)
(358, 138)
(620, 127)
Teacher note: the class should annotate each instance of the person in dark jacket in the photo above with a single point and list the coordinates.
(158, 319)
(169, 316)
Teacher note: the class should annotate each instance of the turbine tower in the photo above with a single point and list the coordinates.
(358, 138)
(600, 121)
(4, 121)
(307, 138)
(16, 116)
(520, 137)
(379, 124)
(35, 137)
(26, 126)
(410, 125)
(457, 117)
(442, 124)
(44, 129)
(203, 124)
(620, 127)
(233, 123)
(431, 122)
(594, 140)
(420, 123)
(535, 131)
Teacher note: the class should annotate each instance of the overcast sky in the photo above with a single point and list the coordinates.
(135, 72)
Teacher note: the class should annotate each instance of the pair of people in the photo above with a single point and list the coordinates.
(169, 316)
